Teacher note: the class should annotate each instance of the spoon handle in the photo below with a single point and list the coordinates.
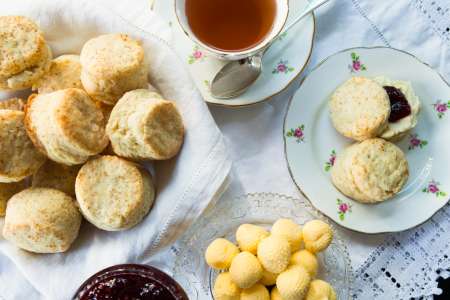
(312, 5)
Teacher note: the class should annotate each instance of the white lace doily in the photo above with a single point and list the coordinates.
(437, 13)
(407, 264)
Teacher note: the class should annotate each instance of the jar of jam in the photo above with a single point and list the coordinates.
(130, 281)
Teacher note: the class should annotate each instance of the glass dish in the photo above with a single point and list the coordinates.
(262, 209)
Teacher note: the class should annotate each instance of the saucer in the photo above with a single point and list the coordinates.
(283, 62)
(311, 142)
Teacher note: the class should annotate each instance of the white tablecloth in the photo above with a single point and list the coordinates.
(254, 134)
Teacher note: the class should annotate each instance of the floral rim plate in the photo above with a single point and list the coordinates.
(283, 62)
(311, 142)
(222, 220)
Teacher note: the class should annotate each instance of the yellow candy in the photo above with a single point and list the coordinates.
(274, 253)
(220, 253)
(317, 236)
(256, 292)
(307, 260)
(289, 230)
(245, 270)
(320, 290)
(293, 283)
(225, 288)
(248, 237)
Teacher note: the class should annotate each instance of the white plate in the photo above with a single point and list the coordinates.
(283, 62)
(309, 155)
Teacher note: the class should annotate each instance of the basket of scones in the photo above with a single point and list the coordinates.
(75, 148)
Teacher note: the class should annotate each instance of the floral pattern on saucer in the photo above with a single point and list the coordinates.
(441, 108)
(297, 133)
(416, 142)
(196, 56)
(356, 64)
(282, 67)
(343, 209)
(433, 188)
(330, 163)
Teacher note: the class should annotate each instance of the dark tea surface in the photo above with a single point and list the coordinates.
(231, 25)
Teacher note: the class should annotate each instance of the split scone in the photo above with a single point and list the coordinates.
(144, 126)
(42, 220)
(24, 53)
(405, 108)
(64, 73)
(371, 171)
(13, 104)
(113, 193)
(56, 176)
(66, 125)
(111, 65)
(360, 109)
(18, 156)
(7, 190)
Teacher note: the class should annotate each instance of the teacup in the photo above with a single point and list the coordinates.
(279, 19)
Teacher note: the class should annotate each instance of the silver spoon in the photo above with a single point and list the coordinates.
(237, 76)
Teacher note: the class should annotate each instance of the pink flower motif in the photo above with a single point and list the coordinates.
(433, 188)
(441, 107)
(197, 54)
(343, 207)
(281, 68)
(356, 65)
(332, 160)
(415, 141)
(298, 133)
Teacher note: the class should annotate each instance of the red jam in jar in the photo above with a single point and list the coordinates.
(126, 282)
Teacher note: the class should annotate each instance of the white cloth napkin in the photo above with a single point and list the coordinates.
(185, 185)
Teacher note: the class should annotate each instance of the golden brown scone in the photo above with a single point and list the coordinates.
(360, 108)
(113, 193)
(371, 171)
(111, 65)
(66, 126)
(24, 54)
(56, 176)
(64, 73)
(13, 104)
(42, 220)
(7, 190)
(18, 157)
(143, 126)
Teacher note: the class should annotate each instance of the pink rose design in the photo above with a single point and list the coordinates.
(332, 160)
(442, 107)
(281, 68)
(356, 65)
(415, 142)
(343, 207)
(298, 133)
(433, 188)
(197, 54)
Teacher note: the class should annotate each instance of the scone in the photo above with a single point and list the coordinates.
(56, 176)
(111, 65)
(13, 104)
(42, 220)
(360, 109)
(113, 193)
(7, 190)
(64, 73)
(371, 171)
(18, 156)
(405, 108)
(24, 54)
(144, 126)
(66, 125)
